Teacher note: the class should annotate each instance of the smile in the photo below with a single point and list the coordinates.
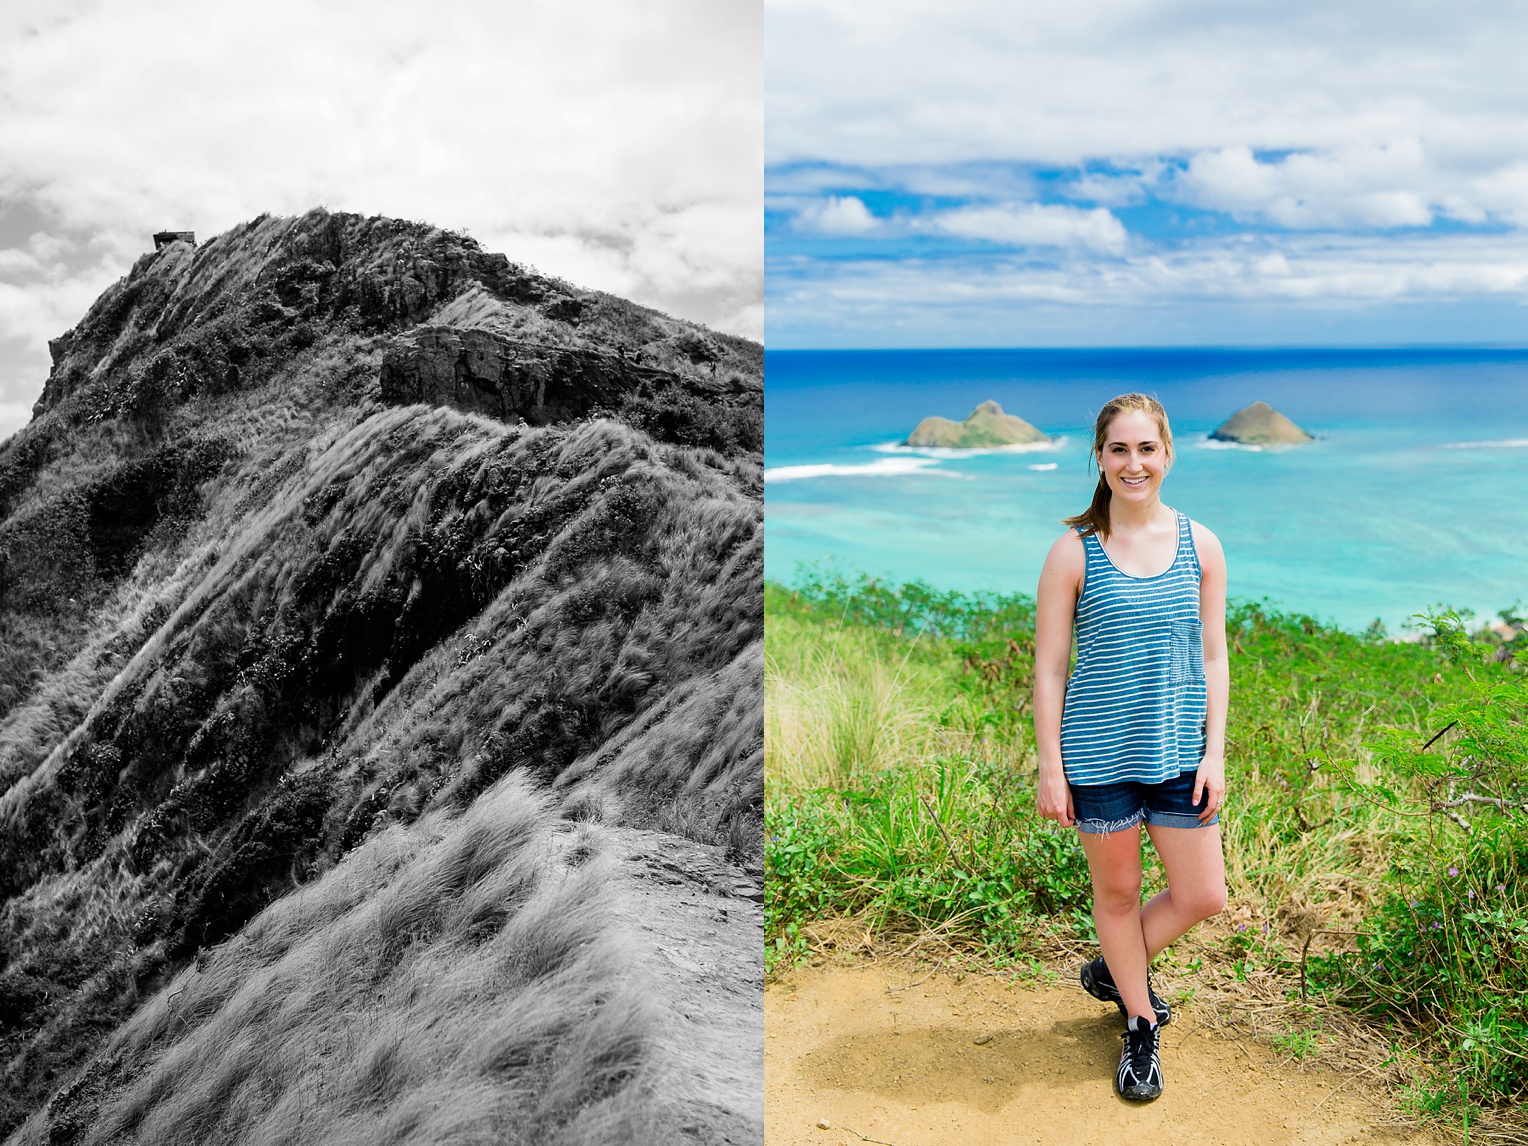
(1133, 481)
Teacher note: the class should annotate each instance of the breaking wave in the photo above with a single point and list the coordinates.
(1504, 444)
(942, 453)
(881, 467)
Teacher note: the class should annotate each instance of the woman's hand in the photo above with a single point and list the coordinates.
(1210, 785)
(1055, 797)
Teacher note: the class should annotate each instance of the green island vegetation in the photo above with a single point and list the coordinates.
(1376, 838)
(367, 601)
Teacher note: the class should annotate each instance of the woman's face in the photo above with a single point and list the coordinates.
(1134, 458)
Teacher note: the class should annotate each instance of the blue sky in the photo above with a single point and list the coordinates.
(1142, 172)
(616, 145)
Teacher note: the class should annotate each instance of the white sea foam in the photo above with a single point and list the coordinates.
(1505, 444)
(881, 467)
(1212, 444)
(1045, 466)
(944, 453)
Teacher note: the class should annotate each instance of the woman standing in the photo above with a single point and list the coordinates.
(1138, 732)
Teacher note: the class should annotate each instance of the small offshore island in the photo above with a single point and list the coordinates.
(1260, 425)
(986, 426)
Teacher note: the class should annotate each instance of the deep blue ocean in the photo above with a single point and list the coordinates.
(1414, 493)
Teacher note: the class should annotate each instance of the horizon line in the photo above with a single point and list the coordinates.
(1347, 348)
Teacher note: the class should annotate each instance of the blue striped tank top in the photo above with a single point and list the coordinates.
(1135, 703)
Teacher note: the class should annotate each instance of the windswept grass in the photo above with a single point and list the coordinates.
(901, 796)
(454, 981)
(255, 618)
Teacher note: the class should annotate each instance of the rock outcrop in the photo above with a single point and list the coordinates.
(515, 380)
(465, 328)
(1260, 425)
(986, 426)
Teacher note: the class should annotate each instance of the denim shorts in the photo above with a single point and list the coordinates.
(1104, 808)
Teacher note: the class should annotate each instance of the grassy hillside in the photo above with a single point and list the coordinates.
(1376, 833)
(271, 640)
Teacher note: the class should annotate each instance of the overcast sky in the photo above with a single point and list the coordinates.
(1135, 172)
(615, 144)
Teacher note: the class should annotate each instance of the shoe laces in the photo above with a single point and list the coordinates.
(1140, 1045)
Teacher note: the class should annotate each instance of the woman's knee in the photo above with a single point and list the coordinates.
(1116, 898)
(1202, 902)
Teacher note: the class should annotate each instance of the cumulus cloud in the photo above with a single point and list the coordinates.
(1310, 159)
(1503, 193)
(615, 145)
(1113, 189)
(1368, 187)
(836, 215)
(1033, 225)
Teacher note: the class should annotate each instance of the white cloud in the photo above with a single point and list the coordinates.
(1177, 296)
(1388, 123)
(836, 215)
(1033, 224)
(1112, 189)
(616, 145)
(1365, 187)
(1393, 114)
(814, 179)
(972, 80)
(1503, 193)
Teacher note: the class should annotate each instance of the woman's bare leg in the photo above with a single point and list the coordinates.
(1114, 862)
(1196, 885)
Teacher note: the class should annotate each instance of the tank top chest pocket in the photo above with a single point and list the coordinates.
(1185, 651)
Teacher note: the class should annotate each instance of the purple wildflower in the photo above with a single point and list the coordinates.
(1453, 871)
(1436, 926)
(1472, 893)
(1240, 927)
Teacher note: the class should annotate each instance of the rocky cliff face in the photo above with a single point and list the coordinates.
(321, 527)
(508, 379)
(516, 380)
(466, 328)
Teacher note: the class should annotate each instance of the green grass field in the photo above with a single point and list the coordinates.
(1375, 815)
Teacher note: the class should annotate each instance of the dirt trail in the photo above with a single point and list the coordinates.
(882, 1060)
(697, 925)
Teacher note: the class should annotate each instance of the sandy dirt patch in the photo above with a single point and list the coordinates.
(952, 1060)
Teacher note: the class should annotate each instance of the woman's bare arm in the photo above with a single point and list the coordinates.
(1055, 606)
(1217, 669)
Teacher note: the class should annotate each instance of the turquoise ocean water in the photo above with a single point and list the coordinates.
(1414, 493)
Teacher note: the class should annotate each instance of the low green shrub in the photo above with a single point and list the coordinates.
(953, 845)
(1446, 953)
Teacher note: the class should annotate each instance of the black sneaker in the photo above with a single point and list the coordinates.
(1097, 982)
(1140, 1067)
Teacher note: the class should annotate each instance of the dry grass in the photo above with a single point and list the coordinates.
(451, 982)
(371, 615)
(840, 702)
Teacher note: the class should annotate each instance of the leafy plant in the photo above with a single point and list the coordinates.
(1448, 947)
